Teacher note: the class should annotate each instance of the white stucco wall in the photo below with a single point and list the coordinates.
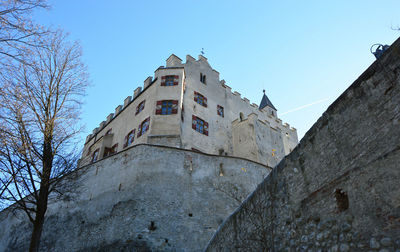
(127, 120)
(257, 140)
(220, 129)
(176, 130)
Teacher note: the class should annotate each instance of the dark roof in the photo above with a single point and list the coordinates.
(266, 102)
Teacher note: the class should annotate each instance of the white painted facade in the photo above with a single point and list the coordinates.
(244, 130)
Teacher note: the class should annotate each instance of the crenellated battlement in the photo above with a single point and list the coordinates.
(219, 109)
(118, 110)
(128, 100)
(174, 61)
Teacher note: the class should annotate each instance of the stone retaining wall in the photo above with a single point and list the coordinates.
(147, 198)
(339, 189)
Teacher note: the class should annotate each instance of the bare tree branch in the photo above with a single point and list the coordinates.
(40, 100)
(17, 31)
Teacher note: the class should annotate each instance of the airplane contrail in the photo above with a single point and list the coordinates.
(305, 106)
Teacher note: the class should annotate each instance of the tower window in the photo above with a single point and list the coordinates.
(220, 110)
(129, 138)
(200, 99)
(203, 78)
(140, 107)
(169, 80)
(167, 107)
(200, 125)
(144, 126)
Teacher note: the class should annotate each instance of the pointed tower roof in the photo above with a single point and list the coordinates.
(266, 102)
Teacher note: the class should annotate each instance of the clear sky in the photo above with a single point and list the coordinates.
(301, 52)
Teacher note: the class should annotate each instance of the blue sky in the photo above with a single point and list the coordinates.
(301, 52)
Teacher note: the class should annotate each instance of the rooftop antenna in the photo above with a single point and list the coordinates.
(202, 51)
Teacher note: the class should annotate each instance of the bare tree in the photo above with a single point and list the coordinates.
(257, 235)
(17, 31)
(39, 110)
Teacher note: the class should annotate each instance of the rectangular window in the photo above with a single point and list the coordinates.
(200, 99)
(110, 151)
(140, 107)
(167, 107)
(203, 78)
(220, 110)
(95, 155)
(144, 126)
(129, 138)
(200, 125)
(169, 80)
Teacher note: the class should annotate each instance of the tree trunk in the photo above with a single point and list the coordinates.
(38, 223)
(41, 204)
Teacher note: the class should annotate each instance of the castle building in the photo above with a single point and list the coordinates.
(187, 106)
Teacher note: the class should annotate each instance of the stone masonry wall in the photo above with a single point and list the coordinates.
(339, 189)
(146, 198)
